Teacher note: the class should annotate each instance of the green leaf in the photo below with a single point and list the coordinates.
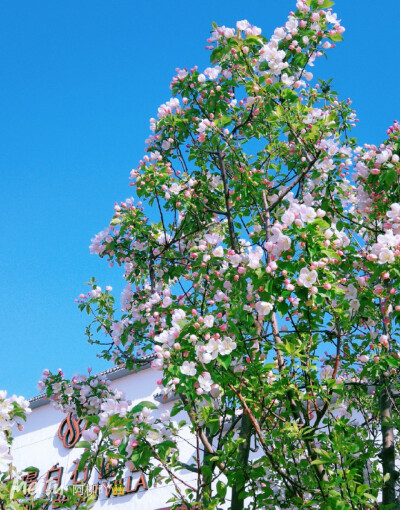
(139, 407)
(336, 38)
(389, 176)
(225, 121)
(322, 223)
(393, 362)
(252, 39)
(299, 60)
(176, 409)
(83, 444)
(329, 253)
(326, 4)
(289, 95)
(213, 426)
(263, 66)
(164, 448)
(221, 490)
(206, 471)
(225, 361)
(340, 225)
(83, 460)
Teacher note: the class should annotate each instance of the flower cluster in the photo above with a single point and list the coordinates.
(114, 426)
(13, 411)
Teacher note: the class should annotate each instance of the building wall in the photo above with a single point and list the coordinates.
(38, 445)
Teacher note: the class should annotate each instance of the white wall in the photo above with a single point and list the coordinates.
(38, 445)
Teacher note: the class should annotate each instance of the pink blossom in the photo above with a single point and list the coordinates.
(384, 341)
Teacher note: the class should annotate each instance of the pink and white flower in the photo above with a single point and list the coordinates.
(307, 278)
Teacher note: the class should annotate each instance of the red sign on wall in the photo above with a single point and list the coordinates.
(70, 430)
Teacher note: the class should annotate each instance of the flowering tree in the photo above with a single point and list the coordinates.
(250, 253)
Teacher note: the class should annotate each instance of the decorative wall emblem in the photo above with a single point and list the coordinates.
(70, 430)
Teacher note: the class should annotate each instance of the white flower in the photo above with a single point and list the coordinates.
(351, 292)
(56, 387)
(307, 214)
(41, 386)
(89, 435)
(205, 381)
(212, 238)
(203, 125)
(204, 356)
(166, 415)
(264, 308)
(182, 73)
(220, 296)
(255, 257)
(242, 24)
(95, 293)
(279, 34)
(208, 321)
(235, 259)
(178, 315)
(146, 412)
(213, 348)
(109, 406)
(250, 100)
(117, 328)
(167, 301)
(212, 72)
(188, 368)
(227, 346)
(218, 252)
(394, 214)
(165, 109)
(287, 80)
(270, 53)
(175, 188)
(307, 277)
(331, 17)
(153, 436)
(292, 24)
(326, 372)
(354, 304)
(5, 457)
(6, 408)
(386, 256)
(383, 156)
(163, 238)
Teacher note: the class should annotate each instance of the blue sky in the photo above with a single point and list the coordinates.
(79, 82)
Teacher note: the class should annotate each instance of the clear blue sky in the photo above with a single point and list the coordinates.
(79, 81)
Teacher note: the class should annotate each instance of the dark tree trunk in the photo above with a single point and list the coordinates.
(243, 458)
(388, 450)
